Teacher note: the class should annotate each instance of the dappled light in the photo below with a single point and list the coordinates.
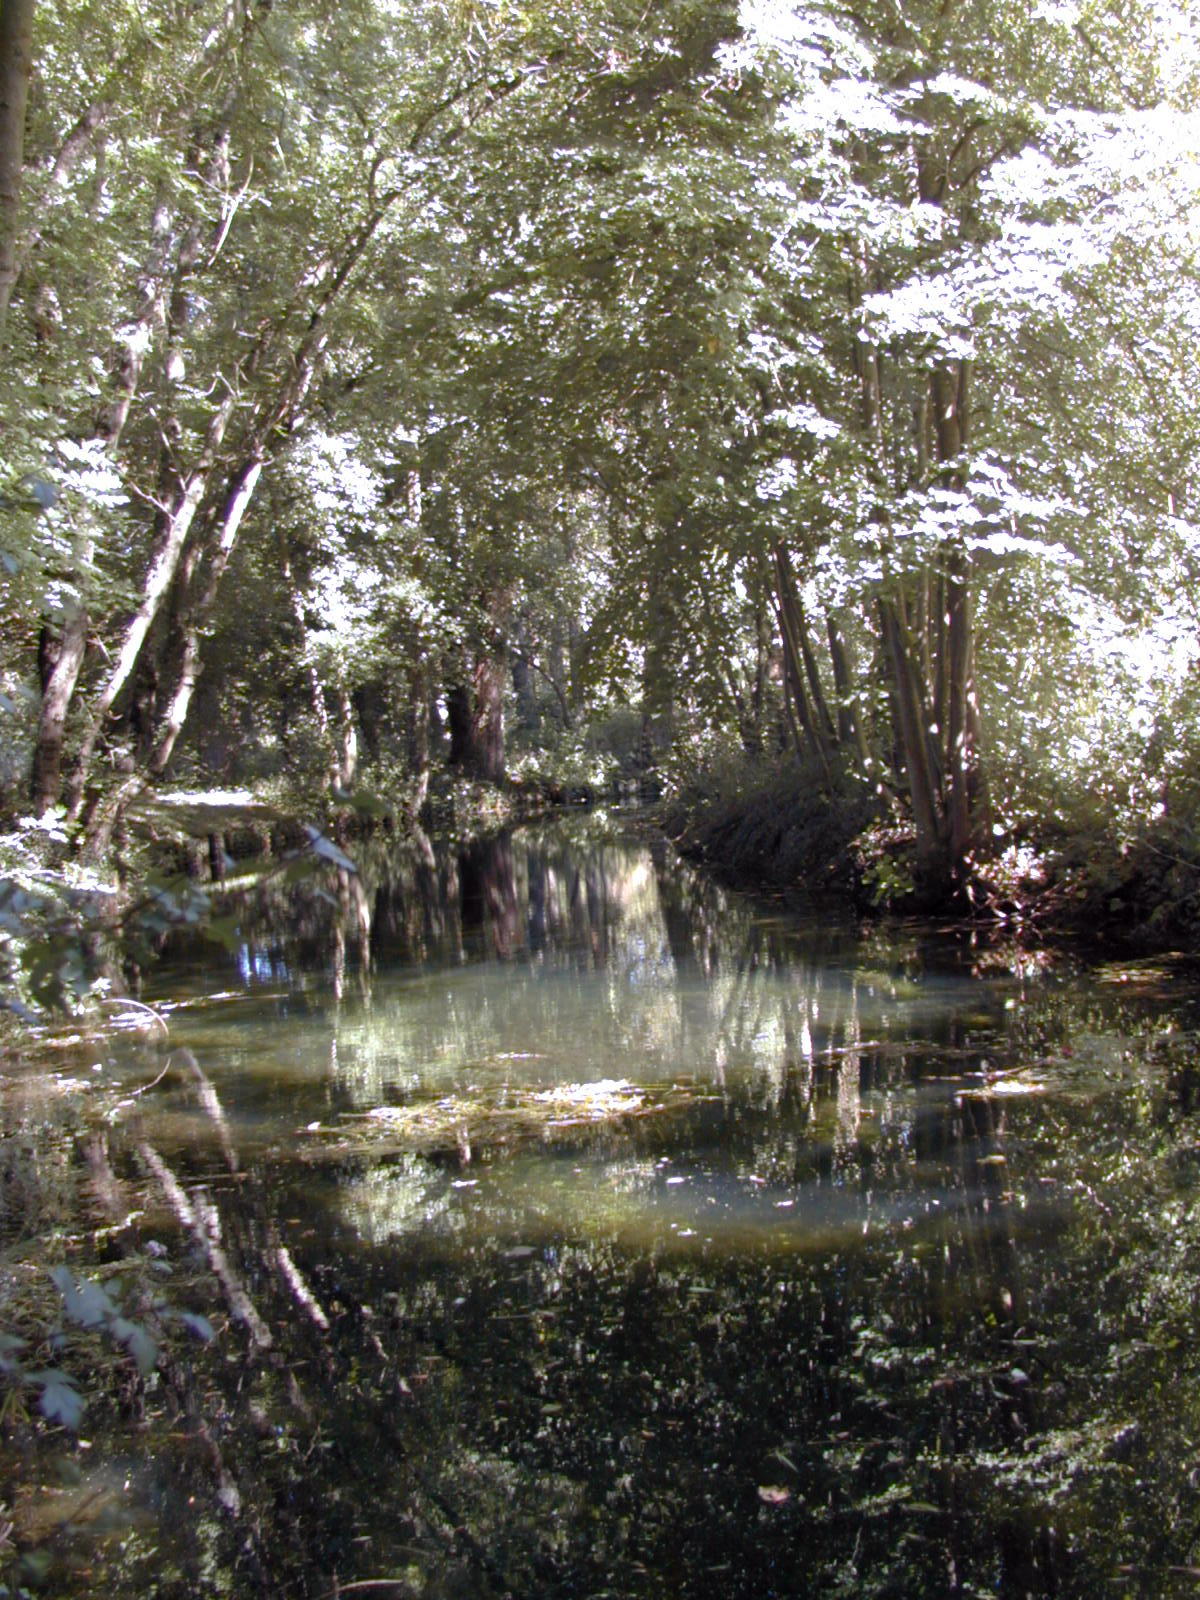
(599, 798)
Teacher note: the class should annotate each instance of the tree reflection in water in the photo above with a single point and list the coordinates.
(889, 1293)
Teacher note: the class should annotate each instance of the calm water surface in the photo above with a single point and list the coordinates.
(613, 1234)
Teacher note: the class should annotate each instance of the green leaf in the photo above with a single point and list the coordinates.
(138, 1343)
(369, 805)
(9, 1345)
(200, 1326)
(224, 931)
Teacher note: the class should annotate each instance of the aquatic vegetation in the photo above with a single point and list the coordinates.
(482, 1118)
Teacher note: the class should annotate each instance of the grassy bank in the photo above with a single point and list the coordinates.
(789, 828)
(783, 828)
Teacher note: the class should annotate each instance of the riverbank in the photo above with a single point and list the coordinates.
(785, 830)
(71, 925)
(781, 830)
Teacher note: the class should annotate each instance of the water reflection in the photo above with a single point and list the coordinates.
(541, 960)
(798, 1088)
(700, 1248)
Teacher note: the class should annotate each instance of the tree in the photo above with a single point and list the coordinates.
(751, 377)
(16, 65)
(250, 306)
(900, 430)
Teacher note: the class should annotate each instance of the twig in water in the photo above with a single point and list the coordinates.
(366, 1583)
(137, 1005)
(154, 1082)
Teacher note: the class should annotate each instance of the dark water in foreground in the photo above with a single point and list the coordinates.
(605, 1233)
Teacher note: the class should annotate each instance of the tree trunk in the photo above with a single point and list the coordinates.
(851, 732)
(174, 527)
(59, 688)
(523, 688)
(370, 710)
(754, 737)
(162, 301)
(950, 397)
(914, 742)
(195, 611)
(16, 67)
(49, 744)
(800, 713)
(417, 738)
(812, 673)
(797, 655)
(347, 738)
(475, 710)
(960, 753)
(275, 409)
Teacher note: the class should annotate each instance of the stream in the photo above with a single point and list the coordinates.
(592, 1230)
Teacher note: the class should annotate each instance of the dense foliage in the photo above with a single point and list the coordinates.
(583, 388)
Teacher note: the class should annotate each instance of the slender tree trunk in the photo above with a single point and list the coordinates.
(417, 739)
(937, 673)
(372, 704)
(851, 731)
(813, 718)
(548, 674)
(522, 677)
(914, 740)
(16, 67)
(562, 654)
(276, 408)
(813, 674)
(488, 686)
(59, 689)
(981, 803)
(806, 731)
(725, 672)
(162, 303)
(198, 608)
(174, 528)
(184, 653)
(49, 744)
(346, 757)
(316, 691)
(762, 667)
(950, 398)
(960, 754)
(151, 313)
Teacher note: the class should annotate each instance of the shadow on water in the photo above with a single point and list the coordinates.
(584, 1229)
